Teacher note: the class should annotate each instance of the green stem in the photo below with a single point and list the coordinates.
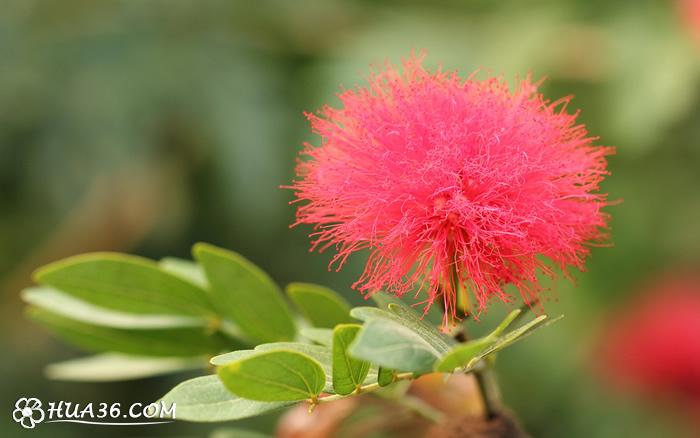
(409, 402)
(363, 389)
(490, 393)
(485, 377)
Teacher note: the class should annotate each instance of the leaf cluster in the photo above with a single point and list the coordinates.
(270, 349)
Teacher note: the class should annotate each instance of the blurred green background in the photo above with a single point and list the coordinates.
(145, 126)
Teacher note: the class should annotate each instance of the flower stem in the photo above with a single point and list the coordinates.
(490, 393)
(484, 376)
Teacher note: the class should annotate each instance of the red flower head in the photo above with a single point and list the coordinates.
(653, 347)
(451, 182)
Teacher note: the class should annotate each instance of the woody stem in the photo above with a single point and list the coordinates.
(485, 377)
(490, 392)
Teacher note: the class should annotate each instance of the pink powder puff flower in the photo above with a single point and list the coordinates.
(689, 12)
(651, 346)
(451, 183)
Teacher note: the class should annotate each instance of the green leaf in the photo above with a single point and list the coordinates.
(319, 353)
(140, 342)
(277, 375)
(514, 336)
(507, 321)
(109, 367)
(462, 354)
(383, 299)
(389, 344)
(126, 283)
(385, 376)
(242, 291)
(321, 306)
(66, 305)
(433, 315)
(230, 329)
(185, 269)
(348, 373)
(428, 333)
(318, 335)
(467, 355)
(205, 399)
(232, 356)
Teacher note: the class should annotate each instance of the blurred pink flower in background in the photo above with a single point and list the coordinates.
(689, 11)
(652, 346)
(451, 182)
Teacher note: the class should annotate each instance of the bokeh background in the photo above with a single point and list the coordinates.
(145, 126)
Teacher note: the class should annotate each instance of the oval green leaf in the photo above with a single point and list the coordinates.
(243, 292)
(277, 375)
(112, 367)
(66, 305)
(432, 314)
(385, 376)
(126, 283)
(427, 332)
(205, 399)
(140, 342)
(185, 269)
(321, 306)
(232, 356)
(391, 345)
(348, 373)
(319, 353)
(320, 336)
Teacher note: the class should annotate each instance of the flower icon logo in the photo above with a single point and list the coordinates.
(28, 412)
